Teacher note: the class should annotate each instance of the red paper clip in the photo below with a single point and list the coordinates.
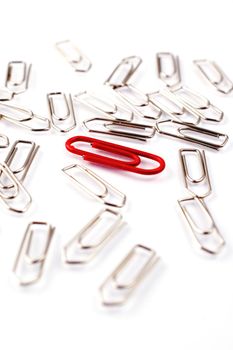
(131, 153)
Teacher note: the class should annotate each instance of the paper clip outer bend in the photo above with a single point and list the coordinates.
(132, 153)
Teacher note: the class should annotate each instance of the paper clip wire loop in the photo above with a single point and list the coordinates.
(24, 258)
(131, 153)
(85, 252)
(203, 236)
(13, 83)
(107, 189)
(214, 74)
(171, 78)
(196, 185)
(121, 291)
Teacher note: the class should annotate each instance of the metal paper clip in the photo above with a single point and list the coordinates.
(107, 108)
(123, 71)
(118, 287)
(196, 185)
(199, 104)
(169, 104)
(136, 131)
(4, 141)
(108, 194)
(80, 249)
(28, 269)
(214, 74)
(139, 101)
(192, 133)
(134, 156)
(205, 231)
(20, 171)
(168, 68)
(15, 198)
(5, 95)
(66, 121)
(17, 77)
(78, 61)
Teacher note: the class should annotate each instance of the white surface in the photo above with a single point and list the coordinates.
(186, 303)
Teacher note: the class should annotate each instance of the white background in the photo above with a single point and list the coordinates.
(186, 303)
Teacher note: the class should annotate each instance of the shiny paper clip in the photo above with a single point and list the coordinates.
(78, 61)
(199, 104)
(17, 77)
(112, 110)
(120, 128)
(192, 133)
(171, 105)
(199, 185)
(122, 282)
(4, 141)
(168, 68)
(28, 269)
(15, 198)
(81, 249)
(202, 225)
(133, 155)
(17, 149)
(214, 74)
(123, 71)
(62, 122)
(139, 101)
(107, 194)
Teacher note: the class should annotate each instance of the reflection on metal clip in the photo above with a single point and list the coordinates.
(15, 192)
(78, 61)
(199, 104)
(214, 74)
(62, 123)
(109, 109)
(121, 128)
(207, 237)
(28, 269)
(17, 77)
(109, 194)
(169, 104)
(4, 140)
(168, 68)
(15, 151)
(199, 136)
(123, 71)
(196, 185)
(5, 95)
(139, 101)
(118, 287)
(80, 249)
(130, 165)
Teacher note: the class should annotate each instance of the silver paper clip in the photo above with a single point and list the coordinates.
(199, 185)
(120, 128)
(214, 74)
(202, 225)
(107, 194)
(80, 249)
(112, 110)
(123, 71)
(192, 133)
(17, 77)
(78, 61)
(118, 287)
(139, 102)
(18, 148)
(66, 120)
(28, 268)
(15, 198)
(169, 104)
(199, 104)
(168, 68)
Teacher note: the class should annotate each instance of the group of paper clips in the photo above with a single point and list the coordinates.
(120, 110)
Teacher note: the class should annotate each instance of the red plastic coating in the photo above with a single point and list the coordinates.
(128, 152)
